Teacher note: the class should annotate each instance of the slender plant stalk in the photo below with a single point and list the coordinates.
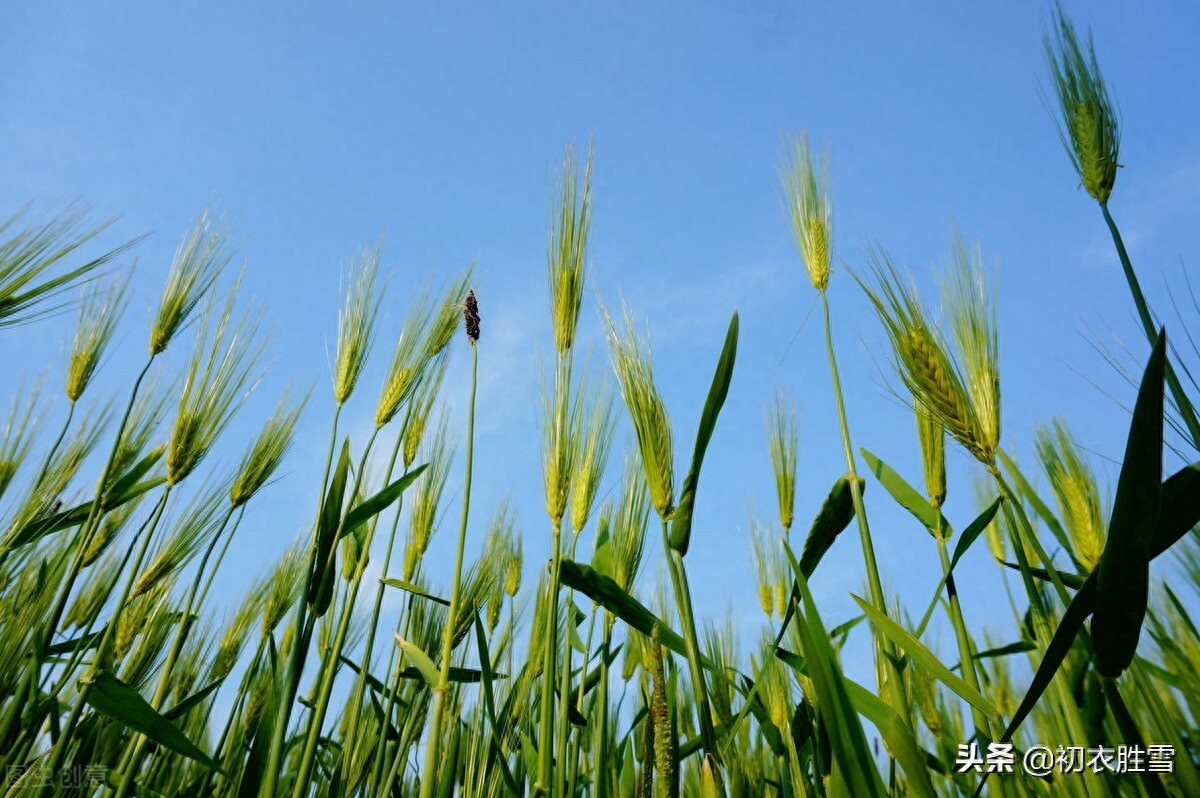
(360, 683)
(433, 744)
(131, 762)
(90, 524)
(1182, 403)
(299, 650)
(324, 685)
(884, 648)
(683, 599)
(59, 751)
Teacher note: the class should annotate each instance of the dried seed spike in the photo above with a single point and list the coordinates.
(471, 316)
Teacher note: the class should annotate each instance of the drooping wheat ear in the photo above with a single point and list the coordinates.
(446, 319)
(1075, 491)
(420, 406)
(99, 315)
(806, 186)
(566, 254)
(1087, 123)
(971, 315)
(932, 437)
(218, 378)
(429, 489)
(265, 454)
(783, 443)
(631, 363)
(356, 322)
(763, 562)
(284, 586)
(234, 637)
(594, 442)
(629, 521)
(923, 360)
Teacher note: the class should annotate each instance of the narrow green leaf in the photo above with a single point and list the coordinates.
(973, 531)
(114, 699)
(420, 659)
(457, 675)
(914, 648)
(1019, 647)
(489, 705)
(608, 594)
(1179, 511)
(369, 508)
(965, 540)
(681, 522)
(179, 710)
(850, 747)
(908, 497)
(1073, 581)
(83, 642)
(256, 760)
(898, 736)
(324, 559)
(416, 591)
(1123, 586)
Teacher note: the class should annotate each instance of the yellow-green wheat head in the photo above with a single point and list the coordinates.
(1087, 121)
(806, 186)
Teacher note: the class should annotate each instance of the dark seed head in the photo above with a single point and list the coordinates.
(471, 316)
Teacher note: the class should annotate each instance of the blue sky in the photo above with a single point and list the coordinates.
(441, 126)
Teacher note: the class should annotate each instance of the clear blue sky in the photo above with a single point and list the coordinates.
(441, 126)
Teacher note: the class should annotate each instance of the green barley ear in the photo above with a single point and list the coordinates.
(233, 639)
(409, 360)
(1087, 120)
(514, 566)
(445, 321)
(628, 527)
(1075, 491)
(560, 421)
(783, 443)
(567, 250)
(631, 363)
(971, 312)
(20, 430)
(198, 522)
(806, 186)
(497, 556)
(764, 567)
(932, 437)
(99, 315)
(284, 586)
(263, 457)
(431, 484)
(29, 289)
(149, 409)
(923, 360)
(420, 408)
(216, 381)
(356, 322)
(595, 441)
(201, 257)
